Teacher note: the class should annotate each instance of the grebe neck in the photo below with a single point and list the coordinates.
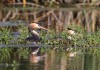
(35, 32)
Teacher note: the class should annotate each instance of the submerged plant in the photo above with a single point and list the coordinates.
(23, 52)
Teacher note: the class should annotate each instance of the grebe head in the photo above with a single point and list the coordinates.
(70, 31)
(36, 26)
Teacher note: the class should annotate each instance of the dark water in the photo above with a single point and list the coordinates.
(56, 60)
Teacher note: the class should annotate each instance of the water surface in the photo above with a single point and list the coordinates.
(56, 60)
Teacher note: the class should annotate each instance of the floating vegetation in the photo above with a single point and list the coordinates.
(57, 40)
(81, 38)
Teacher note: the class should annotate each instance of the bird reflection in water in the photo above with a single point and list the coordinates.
(35, 58)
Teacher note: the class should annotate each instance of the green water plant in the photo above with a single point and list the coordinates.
(5, 54)
(81, 39)
(5, 35)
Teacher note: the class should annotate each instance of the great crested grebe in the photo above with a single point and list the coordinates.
(70, 33)
(34, 38)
